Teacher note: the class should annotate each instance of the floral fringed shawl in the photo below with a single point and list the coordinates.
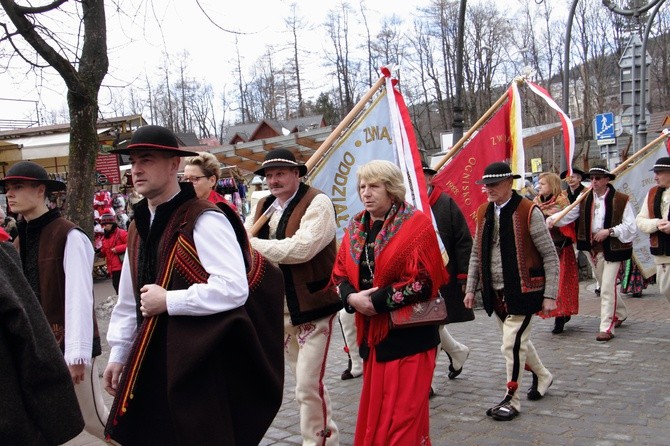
(405, 248)
(560, 202)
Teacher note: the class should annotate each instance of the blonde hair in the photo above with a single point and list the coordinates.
(207, 163)
(554, 182)
(388, 174)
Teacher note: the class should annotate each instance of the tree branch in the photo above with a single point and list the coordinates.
(27, 30)
(25, 10)
(197, 2)
(8, 37)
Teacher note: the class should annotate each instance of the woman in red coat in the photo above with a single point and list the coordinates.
(113, 247)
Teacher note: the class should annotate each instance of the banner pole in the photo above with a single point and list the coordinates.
(324, 147)
(485, 117)
(618, 169)
(336, 133)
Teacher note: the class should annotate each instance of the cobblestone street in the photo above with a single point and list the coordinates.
(612, 393)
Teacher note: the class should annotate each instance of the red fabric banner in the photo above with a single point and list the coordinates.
(457, 178)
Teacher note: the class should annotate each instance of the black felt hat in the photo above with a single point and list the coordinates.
(574, 170)
(154, 137)
(30, 171)
(281, 158)
(426, 168)
(496, 172)
(662, 164)
(601, 170)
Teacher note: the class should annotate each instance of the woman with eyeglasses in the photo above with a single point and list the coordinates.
(203, 172)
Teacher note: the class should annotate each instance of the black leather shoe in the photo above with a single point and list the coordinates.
(504, 413)
(431, 393)
(597, 291)
(489, 411)
(453, 373)
(559, 322)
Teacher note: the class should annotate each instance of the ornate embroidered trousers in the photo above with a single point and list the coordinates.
(306, 351)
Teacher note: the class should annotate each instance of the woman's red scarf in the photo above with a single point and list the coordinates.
(406, 244)
(561, 201)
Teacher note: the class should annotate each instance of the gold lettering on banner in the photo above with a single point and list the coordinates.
(376, 133)
(338, 192)
(497, 139)
(466, 180)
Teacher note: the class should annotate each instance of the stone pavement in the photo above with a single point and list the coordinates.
(613, 393)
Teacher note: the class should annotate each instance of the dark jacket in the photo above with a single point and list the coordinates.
(457, 241)
(38, 405)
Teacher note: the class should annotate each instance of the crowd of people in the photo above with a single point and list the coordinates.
(198, 287)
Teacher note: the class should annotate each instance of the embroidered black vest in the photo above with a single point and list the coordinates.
(613, 249)
(659, 242)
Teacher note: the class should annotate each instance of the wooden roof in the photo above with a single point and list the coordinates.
(248, 156)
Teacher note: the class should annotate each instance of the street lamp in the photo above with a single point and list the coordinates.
(458, 94)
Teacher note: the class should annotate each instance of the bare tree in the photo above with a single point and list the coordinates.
(295, 23)
(337, 26)
(82, 65)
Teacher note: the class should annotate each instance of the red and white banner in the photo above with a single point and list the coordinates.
(457, 177)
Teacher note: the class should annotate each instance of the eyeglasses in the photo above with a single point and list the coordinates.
(192, 179)
(597, 178)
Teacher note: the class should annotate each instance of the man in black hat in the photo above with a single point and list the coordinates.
(186, 364)
(514, 290)
(57, 259)
(653, 219)
(299, 236)
(606, 229)
(574, 181)
(457, 241)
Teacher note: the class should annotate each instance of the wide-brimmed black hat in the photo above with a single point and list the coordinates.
(281, 158)
(662, 164)
(426, 168)
(496, 172)
(154, 137)
(602, 170)
(574, 170)
(30, 171)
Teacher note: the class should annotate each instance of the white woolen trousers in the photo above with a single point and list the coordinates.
(663, 279)
(518, 351)
(91, 403)
(612, 307)
(306, 350)
(457, 352)
(348, 322)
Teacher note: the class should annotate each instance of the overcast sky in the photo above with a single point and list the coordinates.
(139, 38)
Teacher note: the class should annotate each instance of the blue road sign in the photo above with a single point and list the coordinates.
(604, 129)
